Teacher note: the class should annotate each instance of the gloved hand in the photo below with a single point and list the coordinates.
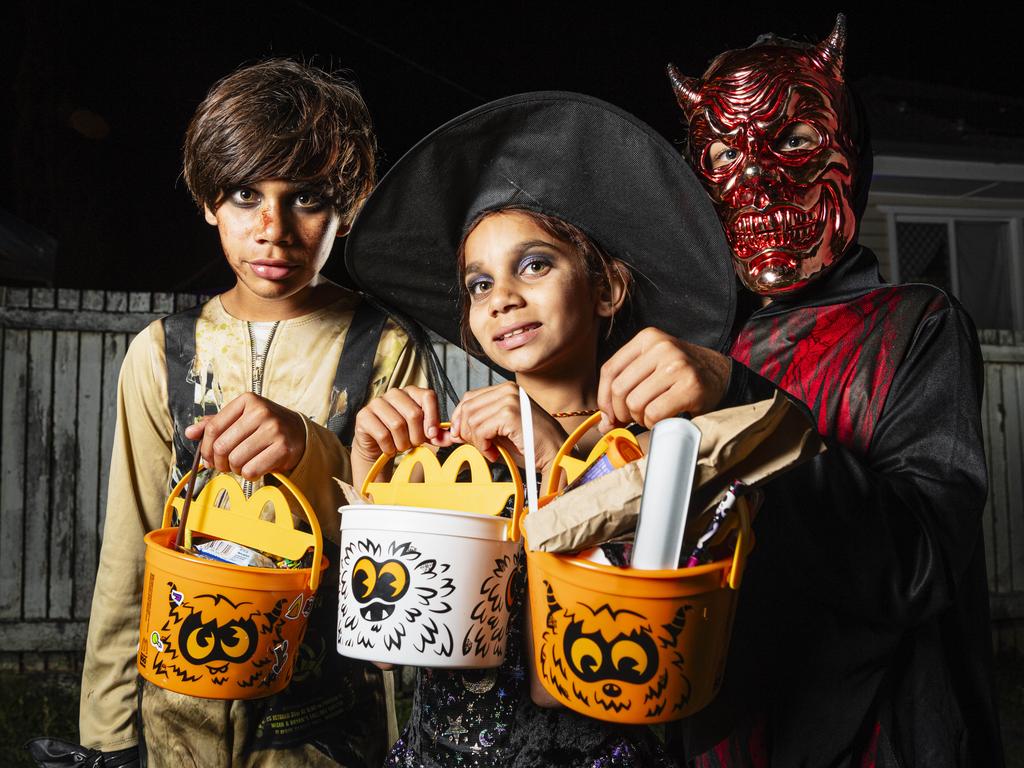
(54, 753)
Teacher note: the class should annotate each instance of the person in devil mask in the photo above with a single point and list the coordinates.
(862, 636)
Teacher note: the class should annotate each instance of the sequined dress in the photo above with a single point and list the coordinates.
(486, 718)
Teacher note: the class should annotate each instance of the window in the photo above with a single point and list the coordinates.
(976, 258)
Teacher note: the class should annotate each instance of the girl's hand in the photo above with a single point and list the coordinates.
(655, 376)
(397, 421)
(490, 417)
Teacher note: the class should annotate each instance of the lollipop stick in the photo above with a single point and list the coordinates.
(179, 539)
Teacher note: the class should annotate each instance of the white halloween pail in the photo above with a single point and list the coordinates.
(425, 586)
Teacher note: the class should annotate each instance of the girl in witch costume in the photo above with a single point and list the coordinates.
(519, 228)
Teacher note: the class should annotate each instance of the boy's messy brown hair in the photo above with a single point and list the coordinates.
(280, 119)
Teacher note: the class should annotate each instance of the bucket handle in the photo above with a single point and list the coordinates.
(573, 467)
(314, 524)
(517, 509)
(744, 543)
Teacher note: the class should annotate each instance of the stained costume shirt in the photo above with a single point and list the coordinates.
(862, 632)
(298, 372)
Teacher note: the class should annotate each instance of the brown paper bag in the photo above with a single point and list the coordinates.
(352, 496)
(749, 443)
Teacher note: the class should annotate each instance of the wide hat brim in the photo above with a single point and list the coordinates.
(569, 156)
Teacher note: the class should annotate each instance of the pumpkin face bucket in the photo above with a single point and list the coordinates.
(631, 646)
(626, 645)
(427, 571)
(221, 631)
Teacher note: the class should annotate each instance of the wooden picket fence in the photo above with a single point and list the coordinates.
(60, 353)
(1003, 521)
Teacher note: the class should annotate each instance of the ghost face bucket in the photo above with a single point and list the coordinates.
(429, 571)
(221, 631)
(626, 645)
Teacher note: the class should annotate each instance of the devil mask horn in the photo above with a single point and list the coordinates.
(686, 88)
(829, 52)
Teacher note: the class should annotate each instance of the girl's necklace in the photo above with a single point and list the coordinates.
(569, 414)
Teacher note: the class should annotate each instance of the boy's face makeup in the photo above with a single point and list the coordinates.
(276, 236)
(532, 308)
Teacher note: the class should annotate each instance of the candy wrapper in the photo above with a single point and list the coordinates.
(235, 554)
(225, 551)
(721, 525)
(750, 444)
(305, 562)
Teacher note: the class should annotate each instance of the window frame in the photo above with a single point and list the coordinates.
(949, 216)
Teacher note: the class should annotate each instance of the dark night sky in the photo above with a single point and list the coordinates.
(98, 100)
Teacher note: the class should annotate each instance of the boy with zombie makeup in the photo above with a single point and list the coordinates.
(267, 376)
(862, 636)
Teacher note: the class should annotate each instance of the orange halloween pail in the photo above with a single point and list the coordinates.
(626, 645)
(222, 631)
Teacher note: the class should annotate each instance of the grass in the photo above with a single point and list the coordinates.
(46, 703)
(36, 704)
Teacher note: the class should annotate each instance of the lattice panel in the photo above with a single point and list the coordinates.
(923, 253)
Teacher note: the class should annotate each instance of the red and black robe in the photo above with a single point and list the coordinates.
(862, 635)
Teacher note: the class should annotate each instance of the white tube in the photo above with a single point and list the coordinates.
(671, 464)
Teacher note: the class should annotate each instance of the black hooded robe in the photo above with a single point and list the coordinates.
(862, 636)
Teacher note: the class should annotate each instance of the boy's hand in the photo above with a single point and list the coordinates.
(251, 436)
(489, 417)
(655, 376)
(397, 421)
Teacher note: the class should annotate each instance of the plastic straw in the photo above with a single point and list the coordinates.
(529, 452)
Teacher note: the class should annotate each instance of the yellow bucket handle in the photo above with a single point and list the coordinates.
(462, 455)
(744, 543)
(282, 521)
(573, 467)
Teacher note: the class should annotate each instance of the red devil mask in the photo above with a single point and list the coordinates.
(770, 139)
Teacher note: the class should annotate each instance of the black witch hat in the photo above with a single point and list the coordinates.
(569, 156)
